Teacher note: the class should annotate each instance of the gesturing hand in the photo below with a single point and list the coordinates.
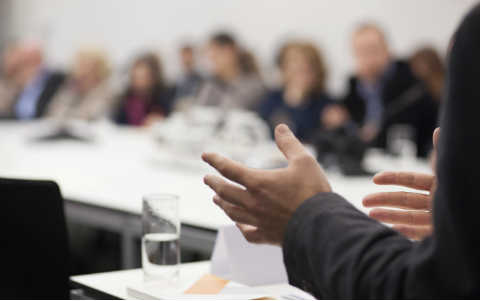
(415, 221)
(264, 201)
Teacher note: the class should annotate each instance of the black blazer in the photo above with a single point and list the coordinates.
(34, 257)
(421, 113)
(334, 251)
(53, 84)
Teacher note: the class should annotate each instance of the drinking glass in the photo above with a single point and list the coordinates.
(161, 237)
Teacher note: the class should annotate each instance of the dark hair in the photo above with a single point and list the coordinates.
(224, 39)
(153, 63)
(246, 59)
(248, 63)
(434, 78)
(314, 56)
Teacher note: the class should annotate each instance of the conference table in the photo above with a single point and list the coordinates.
(103, 179)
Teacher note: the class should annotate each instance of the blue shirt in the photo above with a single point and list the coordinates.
(26, 106)
(372, 94)
(304, 120)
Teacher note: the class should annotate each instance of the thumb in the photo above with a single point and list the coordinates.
(287, 142)
(436, 136)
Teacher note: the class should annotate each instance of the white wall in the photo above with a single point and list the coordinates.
(123, 27)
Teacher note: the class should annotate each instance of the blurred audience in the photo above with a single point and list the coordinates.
(147, 97)
(235, 81)
(384, 92)
(191, 80)
(86, 94)
(428, 66)
(302, 98)
(35, 83)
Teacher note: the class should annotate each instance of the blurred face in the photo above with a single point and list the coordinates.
(11, 60)
(222, 58)
(85, 72)
(187, 58)
(297, 70)
(371, 54)
(142, 78)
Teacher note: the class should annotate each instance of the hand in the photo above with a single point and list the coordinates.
(334, 116)
(153, 118)
(264, 201)
(368, 132)
(415, 221)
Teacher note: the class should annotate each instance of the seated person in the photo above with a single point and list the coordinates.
(190, 82)
(37, 85)
(147, 98)
(10, 60)
(235, 82)
(86, 94)
(427, 65)
(302, 98)
(384, 92)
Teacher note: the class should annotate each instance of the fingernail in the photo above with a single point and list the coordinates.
(283, 129)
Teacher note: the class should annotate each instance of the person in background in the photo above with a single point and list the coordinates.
(36, 83)
(147, 98)
(235, 81)
(384, 92)
(10, 61)
(301, 99)
(86, 94)
(428, 66)
(191, 80)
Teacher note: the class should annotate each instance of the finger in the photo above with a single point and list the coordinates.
(402, 217)
(408, 179)
(228, 168)
(400, 199)
(236, 213)
(436, 136)
(288, 143)
(412, 232)
(228, 191)
(251, 233)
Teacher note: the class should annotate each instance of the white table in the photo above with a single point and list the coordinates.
(113, 285)
(103, 182)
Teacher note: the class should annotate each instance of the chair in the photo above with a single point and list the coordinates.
(34, 258)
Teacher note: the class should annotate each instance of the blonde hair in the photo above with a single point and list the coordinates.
(100, 61)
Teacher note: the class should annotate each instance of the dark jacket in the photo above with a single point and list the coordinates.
(403, 103)
(160, 101)
(304, 120)
(334, 251)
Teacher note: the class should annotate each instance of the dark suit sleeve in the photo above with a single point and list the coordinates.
(334, 251)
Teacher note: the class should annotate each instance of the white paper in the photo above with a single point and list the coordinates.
(236, 259)
(167, 291)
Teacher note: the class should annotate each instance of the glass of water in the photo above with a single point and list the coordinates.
(161, 235)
